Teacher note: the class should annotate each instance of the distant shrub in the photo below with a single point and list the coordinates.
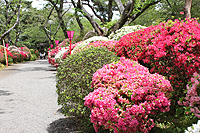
(16, 55)
(124, 30)
(33, 57)
(32, 51)
(85, 43)
(192, 99)
(1, 57)
(74, 77)
(27, 53)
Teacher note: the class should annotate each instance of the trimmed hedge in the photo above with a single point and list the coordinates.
(74, 77)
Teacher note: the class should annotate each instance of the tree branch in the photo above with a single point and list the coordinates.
(17, 21)
(91, 7)
(134, 16)
(120, 6)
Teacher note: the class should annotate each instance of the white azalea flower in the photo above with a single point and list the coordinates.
(124, 30)
(89, 40)
(195, 128)
(59, 55)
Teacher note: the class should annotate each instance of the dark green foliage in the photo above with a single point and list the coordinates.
(74, 77)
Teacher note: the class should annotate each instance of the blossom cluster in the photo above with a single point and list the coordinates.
(195, 128)
(16, 53)
(51, 55)
(123, 31)
(193, 95)
(126, 97)
(108, 44)
(59, 55)
(56, 55)
(85, 43)
(170, 49)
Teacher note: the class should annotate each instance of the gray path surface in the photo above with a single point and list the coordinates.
(28, 99)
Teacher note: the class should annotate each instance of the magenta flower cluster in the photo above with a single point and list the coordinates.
(170, 48)
(51, 55)
(192, 98)
(108, 44)
(127, 97)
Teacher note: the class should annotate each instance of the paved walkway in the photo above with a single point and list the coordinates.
(28, 99)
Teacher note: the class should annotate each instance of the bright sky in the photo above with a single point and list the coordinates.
(38, 3)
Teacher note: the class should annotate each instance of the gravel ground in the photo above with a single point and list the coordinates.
(28, 100)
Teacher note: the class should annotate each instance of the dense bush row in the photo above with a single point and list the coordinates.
(125, 93)
(16, 54)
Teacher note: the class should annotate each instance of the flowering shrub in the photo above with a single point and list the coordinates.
(86, 42)
(171, 49)
(127, 97)
(66, 53)
(123, 31)
(16, 53)
(56, 55)
(59, 55)
(51, 55)
(195, 128)
(1, 57)
(193, 95)
(108, 44)
(26, 53)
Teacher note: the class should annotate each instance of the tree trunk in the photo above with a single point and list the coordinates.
(60, 16)
(90, 17)
(78, 21)
(9, 19)
(187, 9)
(120, 6)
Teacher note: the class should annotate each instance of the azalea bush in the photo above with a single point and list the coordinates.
(59, 55)
(67, 52)
(2, 55)
(126, 97)
(108, 44)
(171, 49)
(192, 98)
(124, 30)
(26, 53)
(51, 55)
(85, 43)
(16, 54)
(74, 77)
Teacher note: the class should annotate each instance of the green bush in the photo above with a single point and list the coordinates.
(33, 57)
(74, 77)
(32, 51)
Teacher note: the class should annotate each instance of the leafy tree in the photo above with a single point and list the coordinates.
(103, 10)
(9, 18)
(165, 10)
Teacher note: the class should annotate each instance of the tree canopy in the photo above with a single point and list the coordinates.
(21, 24)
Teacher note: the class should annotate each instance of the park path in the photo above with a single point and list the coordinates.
(28, 99)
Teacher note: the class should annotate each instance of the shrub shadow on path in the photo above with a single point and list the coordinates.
(63, 125)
